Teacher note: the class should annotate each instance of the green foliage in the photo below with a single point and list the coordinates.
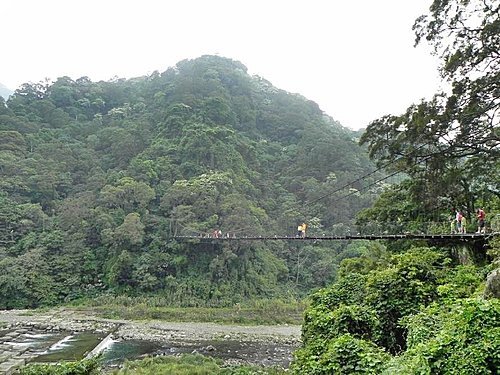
(376, 301)
(371, 257)
(190, 365)
(416, 304)
(371, 305)
(461, 282)
(344, 354)
(447, 150)
(349, 289)
(321, 316)
(95, 177)
(359, 321)
(255, 312)
(494, 250)
(448, 145)
(462, 338)
(401, 290)
(84, 367)
(120, 273)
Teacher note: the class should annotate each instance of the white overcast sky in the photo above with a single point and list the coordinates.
(354, 58)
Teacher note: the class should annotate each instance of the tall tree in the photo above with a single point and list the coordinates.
(454, 138)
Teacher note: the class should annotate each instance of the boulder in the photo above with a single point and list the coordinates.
(492, 289)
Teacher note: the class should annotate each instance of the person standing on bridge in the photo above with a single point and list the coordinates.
(453, 224)
(299, 231)
(481, 215)
(458, 220)
(304, 228)
(464, 225)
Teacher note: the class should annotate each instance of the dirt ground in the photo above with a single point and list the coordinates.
(66, 319)
(265, 345)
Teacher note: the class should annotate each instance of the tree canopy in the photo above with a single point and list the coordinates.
(450, 144)
(407, 309)
(97, 176)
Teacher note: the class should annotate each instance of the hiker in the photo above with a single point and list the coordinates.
(481, 215)
(299, 231)
(453, 225)
(304, 228)
(458, 220)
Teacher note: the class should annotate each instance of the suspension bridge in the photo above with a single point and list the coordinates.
(435, 232)
(435, 237)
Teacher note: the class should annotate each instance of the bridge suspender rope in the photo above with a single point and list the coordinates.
(438, 231)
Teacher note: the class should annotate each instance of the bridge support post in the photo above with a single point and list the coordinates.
(468, 253)
(463, 254)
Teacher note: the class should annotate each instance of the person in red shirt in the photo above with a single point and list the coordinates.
(481, 215)
(458, 220)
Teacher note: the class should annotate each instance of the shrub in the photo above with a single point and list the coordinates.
(343, 355)
(359, 321)
(408, 285)
(460, 339)
(84, 367)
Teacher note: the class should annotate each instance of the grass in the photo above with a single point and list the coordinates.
(83, 367)
(190, 365)
(259, 312)
(187, 364)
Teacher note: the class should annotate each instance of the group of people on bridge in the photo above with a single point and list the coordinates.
(217, 233)
(458, 224)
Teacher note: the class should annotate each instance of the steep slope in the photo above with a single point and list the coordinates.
(97, 176)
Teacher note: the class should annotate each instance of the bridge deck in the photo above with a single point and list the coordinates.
(444, 237)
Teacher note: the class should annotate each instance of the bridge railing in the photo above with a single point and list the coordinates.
(367, 229)
(400, 228)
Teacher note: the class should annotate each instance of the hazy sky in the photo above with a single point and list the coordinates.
(354, 58)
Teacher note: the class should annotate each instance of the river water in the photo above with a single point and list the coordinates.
(51, 347)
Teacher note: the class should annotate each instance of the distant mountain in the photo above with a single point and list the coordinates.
(5, 92)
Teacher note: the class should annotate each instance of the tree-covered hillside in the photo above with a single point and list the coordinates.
(97, 176)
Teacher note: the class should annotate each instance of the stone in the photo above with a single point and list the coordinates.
(26, 356)
(493, 284)
(4, 356)
(9, 367)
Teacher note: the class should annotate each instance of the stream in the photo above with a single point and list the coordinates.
(23, 343)
(42, 346)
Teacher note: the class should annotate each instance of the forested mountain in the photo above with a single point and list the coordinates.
(4, 91)
(97, 176)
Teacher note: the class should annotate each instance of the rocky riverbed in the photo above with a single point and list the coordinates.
(264, 345)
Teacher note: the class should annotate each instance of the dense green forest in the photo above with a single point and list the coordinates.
(408, 308)
(96, 177)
